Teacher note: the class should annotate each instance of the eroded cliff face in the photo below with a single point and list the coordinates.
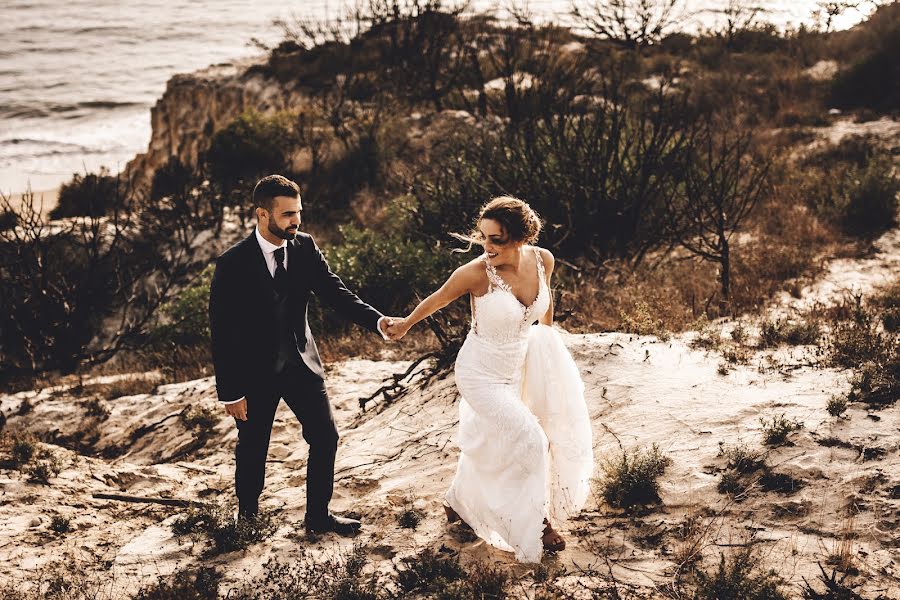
(196, 105)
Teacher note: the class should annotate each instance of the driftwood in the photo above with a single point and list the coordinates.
(393, 386)
(147, 500)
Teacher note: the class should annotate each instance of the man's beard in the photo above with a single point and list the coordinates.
(281, 233)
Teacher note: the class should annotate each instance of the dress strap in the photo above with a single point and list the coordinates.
(540, 266)
(494, 279)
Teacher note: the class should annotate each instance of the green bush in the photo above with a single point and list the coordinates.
(8, 220)
(860, 201)
(250, 146)
(172, 179)
(872, 82)
(390, 271)
(888, 302)
(631, 480)
(89, 195)
(185, 319)
(600, 180)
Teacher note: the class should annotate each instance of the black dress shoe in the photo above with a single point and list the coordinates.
(248, 511)
(330, 522)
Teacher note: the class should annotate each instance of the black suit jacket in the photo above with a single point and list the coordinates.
(242, 320)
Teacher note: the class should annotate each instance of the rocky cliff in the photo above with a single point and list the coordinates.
(196, 105)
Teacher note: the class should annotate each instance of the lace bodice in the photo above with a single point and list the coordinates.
(499, 316)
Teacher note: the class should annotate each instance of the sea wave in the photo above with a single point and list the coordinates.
(15, 149)
(49, 109)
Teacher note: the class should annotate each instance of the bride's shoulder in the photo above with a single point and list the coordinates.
(474, 268)
(546, 256)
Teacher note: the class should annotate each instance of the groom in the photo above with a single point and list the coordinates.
(263, 349)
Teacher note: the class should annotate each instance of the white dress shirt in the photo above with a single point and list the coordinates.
(268, 250)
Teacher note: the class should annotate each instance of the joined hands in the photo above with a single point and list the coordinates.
(395, 327)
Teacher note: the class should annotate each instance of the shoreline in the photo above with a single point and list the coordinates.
(44, 200)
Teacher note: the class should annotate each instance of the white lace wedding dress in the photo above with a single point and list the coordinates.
(524, 432)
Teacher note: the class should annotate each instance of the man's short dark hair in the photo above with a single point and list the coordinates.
(271, 186)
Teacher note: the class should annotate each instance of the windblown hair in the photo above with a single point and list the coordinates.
(269, 187)
(516, 218)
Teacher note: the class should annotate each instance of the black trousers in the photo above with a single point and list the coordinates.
(305, 395)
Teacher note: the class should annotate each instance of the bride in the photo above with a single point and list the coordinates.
(524, 434)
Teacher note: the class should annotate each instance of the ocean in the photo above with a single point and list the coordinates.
(78, 78)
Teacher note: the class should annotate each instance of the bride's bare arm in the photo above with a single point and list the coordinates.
(549, 262)
(463, 280)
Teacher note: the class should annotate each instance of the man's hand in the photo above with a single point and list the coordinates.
(388, 325)
(238, 409)
(385, 324)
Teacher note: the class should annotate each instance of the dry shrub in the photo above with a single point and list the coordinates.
(428, 571)
(641, 322)
(803, 332)
(359, 343)
(779, 251)
(842, 556)
(835, 589)
(766, 266)
(201, 419)
(217, 523)
(877, 382)
(410, 516)
(739, 578)
(742, 466)
(887, 300)
(188, 584)
(776, 430)
(60, 524)
(338, 577)
(836, 406)
(669, 296)
(58, 580)
(741, 458)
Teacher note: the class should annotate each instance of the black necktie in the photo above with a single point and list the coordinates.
(280, 272)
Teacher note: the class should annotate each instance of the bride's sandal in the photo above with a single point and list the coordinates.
(452, 515)
(551, 539)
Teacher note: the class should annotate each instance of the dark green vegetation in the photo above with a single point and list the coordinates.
(665, 166)
(631, 479)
